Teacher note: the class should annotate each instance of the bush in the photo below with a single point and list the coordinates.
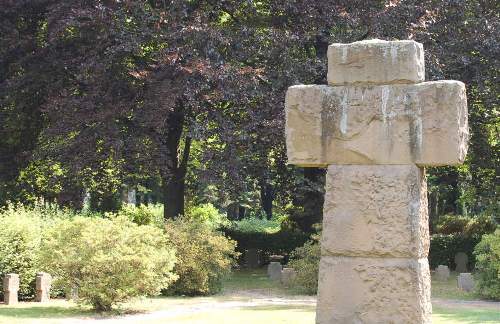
(107, 260)
(451, 224)
(305, 261)
(141, 215)
(488, 265)
(20, 236)
(282, 242)
(257, 225)
(205, 257)
(480, 225)
(444, 247)
(206, 213)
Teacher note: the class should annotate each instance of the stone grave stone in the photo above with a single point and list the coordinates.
(442, 273)
(10, 288)
(252, 258)
(465, 281)
(376, 125)
(274, 270)
(287, 276)
(461, 260)
(43, 284)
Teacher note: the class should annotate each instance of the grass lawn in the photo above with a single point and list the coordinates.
(245, 300)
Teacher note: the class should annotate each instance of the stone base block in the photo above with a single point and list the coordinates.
(376, 210)
(373, 290)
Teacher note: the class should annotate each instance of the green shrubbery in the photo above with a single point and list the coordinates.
(488, 265)
(107, 260)
(468, 226)
(305, 260)
(204, 257)
(20, 236)
(444, 247)
(207, 214)
(141, 215)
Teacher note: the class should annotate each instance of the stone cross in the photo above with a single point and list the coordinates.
(43, 284)
(10, 288)
(376, 125)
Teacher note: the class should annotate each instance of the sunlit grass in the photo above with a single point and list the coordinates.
(238, 288)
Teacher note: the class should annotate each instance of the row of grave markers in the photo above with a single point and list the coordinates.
(11, 288)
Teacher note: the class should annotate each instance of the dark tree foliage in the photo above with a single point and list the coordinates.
(128, 87)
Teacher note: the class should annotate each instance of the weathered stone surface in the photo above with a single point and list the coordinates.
(424, 124)
(376, 61)
(10, 288)
(287, 276)
(442, 273)
(375, 210)
(461, 260)
(43, 284)
(274, 270)
(465, 281)
(373, 290)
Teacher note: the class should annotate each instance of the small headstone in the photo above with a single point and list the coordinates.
(43, 284)
(461, 260)
(274, 270)
(287, 276)
(442, 273)
(465, 281)
(252, 258)
(10, 288)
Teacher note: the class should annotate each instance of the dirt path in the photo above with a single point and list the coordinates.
(451, 303)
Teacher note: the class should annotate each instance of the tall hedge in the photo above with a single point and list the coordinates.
(444, 247)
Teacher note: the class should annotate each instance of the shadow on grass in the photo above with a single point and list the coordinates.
(43, 312)
(469, 316)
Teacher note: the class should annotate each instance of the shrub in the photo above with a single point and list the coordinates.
(480, 225)
(141, 215)
(208, 214)
(282, 242)
(488, 265)
(20, 236)
(257, 225)
(205, 257)
(305, 260)
(444, 247)
(107, 260)
(451, 224)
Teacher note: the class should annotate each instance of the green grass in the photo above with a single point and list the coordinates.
(236, 288)
(464, 315)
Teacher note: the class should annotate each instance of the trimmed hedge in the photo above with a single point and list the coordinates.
(444, 247)
(282, 242)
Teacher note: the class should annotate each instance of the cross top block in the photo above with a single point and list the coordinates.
(377, 111)
(376, 61)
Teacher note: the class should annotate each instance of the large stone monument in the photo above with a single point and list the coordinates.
(376, 125)
(10, 288)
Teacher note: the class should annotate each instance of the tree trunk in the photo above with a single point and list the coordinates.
(173, 176)
(266, 198)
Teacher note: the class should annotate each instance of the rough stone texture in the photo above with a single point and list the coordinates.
(287, 276)
(373, 290)
(274, 270)
(43, 284)
(376, 61)
(424, 124)
(465, 281)
(461, 260)
(375, 210)
(10, 288)
(442, 273)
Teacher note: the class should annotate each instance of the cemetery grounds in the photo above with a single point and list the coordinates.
(247, 297)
